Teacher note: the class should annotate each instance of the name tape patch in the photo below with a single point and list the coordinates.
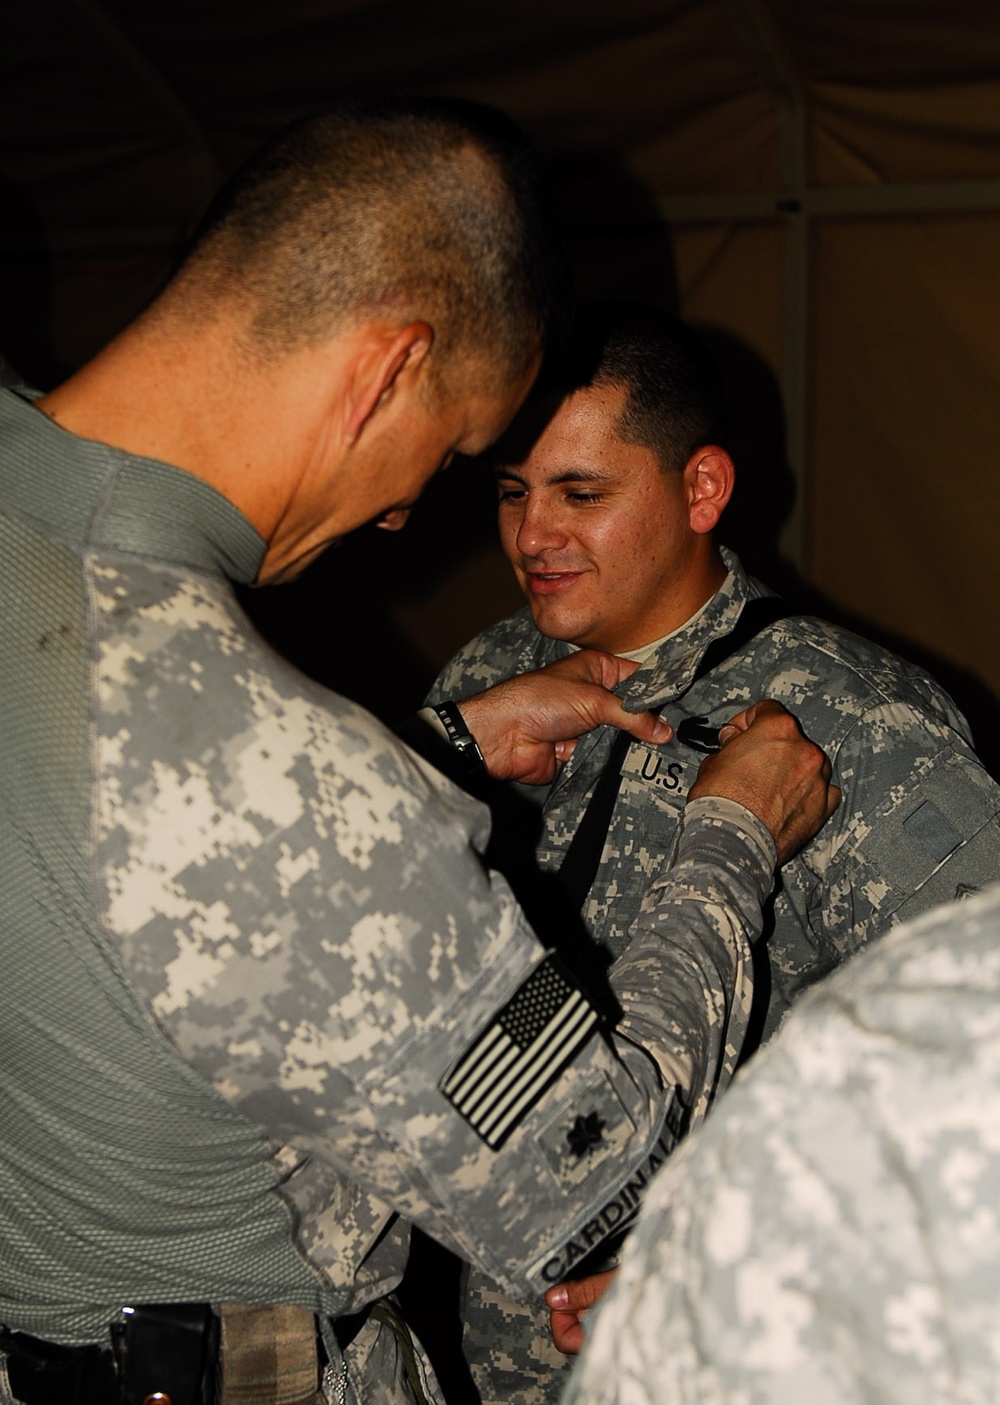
(524, 1048)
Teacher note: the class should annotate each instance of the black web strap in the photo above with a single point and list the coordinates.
(579, 865)
(576, 872)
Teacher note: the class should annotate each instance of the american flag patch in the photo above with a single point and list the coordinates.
(500, 1078)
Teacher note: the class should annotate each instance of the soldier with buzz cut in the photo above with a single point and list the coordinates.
(263, 1004)
(611, 484)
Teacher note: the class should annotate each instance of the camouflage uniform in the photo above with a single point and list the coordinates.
(256, 974)
(918, 825)
(832, 1234)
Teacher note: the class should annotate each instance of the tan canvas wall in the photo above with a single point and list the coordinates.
(117, 119)
(902, 496)
(902, 361)
(905, 497)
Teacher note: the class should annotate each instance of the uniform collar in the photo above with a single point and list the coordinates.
(93, 495)
(671, 670)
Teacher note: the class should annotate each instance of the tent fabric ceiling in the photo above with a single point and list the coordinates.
(98, 94)
(119, 117)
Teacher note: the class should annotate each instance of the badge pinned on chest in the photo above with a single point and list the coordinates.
(699, 734)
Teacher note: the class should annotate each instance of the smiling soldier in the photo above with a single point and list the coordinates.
(611, 486)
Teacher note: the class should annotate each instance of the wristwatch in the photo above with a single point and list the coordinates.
(460, 737)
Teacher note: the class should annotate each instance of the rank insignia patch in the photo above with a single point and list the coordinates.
(502, 1075)
(583, 1132)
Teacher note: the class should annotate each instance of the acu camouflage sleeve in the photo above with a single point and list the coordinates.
(299, 901)
(919, 825)
(831, 1234)
(692, 938)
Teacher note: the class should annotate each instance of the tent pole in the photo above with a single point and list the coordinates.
(756, 25)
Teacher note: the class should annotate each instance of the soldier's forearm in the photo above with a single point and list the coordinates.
(685, 982)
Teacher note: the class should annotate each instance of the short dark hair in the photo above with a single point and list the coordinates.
(673, 393)
(413, 207)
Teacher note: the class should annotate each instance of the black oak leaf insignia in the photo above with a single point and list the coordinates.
(585, 1133)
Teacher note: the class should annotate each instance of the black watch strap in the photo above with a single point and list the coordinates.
(460, 737)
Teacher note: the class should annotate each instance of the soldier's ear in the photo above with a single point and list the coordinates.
(709, 476)
(386, 363)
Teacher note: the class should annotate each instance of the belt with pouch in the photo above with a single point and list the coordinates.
(156, 1355)
(171, 1354)
(177, 1354)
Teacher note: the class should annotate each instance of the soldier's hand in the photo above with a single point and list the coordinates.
(568, 1303)
(770, 767)
(527, 725)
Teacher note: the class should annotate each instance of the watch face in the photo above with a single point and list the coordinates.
(460, 737)
(469, 748)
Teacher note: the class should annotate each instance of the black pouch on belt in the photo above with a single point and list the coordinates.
(165, 1352)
